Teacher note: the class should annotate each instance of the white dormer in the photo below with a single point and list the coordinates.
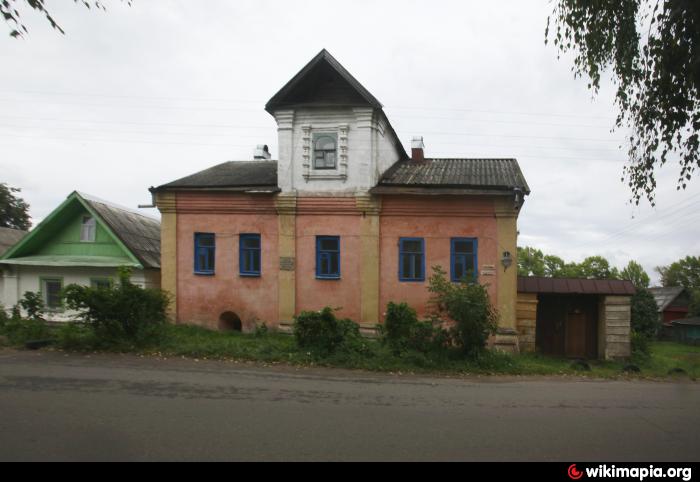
(333, 134)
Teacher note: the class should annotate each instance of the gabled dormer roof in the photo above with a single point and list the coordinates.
(323, 81)
(137, 236)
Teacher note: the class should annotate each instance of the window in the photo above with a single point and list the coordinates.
(100, 283)
(411, 259)
(204, 253)
(463, 259)
(87, 231)
(249, 254)
(325, 149)
(328, 257)
(51, 291)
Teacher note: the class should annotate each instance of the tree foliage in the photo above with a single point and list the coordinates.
(14, 211)
(322, 333)
(684, 272)
(653, 48)
(123, 313)
(645, 316)
(694, 306)
(533, 262)
(636, 274)
(467, 305)
(11, 11)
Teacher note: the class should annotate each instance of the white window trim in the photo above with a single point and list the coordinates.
(340, 173)
(91, 230)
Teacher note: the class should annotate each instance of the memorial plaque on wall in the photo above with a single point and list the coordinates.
(286, 264)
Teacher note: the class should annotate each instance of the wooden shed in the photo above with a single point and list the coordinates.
(574, 318)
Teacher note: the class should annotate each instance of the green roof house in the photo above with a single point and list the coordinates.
(83, 241)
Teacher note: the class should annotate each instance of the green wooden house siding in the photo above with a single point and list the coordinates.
(56, 241)
(66, 241)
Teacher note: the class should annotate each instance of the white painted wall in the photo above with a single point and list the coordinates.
(17, 280)
(370, 149)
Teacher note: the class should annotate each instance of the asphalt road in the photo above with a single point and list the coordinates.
(110, 407)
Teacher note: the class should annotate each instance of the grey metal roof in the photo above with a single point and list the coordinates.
(694, 321)
(232, 174)
(280, 98)
(139, 233)
(537, 284)
(9, 237)
(664, 296)
(496, 174)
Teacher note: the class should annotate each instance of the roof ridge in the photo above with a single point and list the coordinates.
(91, 198)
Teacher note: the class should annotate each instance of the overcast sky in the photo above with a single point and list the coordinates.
(141, 95)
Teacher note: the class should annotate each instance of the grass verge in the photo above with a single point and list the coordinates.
(276, 348)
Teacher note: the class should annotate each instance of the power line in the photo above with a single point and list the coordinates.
(220, 134)
(685, 204)
(262, 102)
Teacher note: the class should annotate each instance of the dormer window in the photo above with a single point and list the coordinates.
(325, 151)
(87, 232)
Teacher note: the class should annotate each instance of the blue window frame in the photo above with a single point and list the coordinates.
(411, 259)
(249, 254)
(463, 259)
(328, 257)
(204, 253)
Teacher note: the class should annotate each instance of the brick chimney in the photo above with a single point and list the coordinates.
(417, 147)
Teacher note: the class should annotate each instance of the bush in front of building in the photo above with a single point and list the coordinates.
(322, 333)
(402, 331)
(4, 317)
(19, 330)
(641, 345)
(468, 306)
(33, 304)
(124, 313)
(645, 316)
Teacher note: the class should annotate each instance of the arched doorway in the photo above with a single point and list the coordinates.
(229, 321)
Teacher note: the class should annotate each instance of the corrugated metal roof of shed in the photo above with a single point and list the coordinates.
(534, 284)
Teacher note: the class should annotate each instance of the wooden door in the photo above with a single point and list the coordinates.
(576, 335)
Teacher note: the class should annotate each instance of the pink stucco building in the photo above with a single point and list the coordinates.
(344, 218)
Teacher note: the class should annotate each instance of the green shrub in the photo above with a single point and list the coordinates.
(76, 336)
(468, 306)
(641, 345)
(261, 330)
(322, 333)
(19, 331)
(123, 313)
(645, 317)
(33, 304)
(4, 317)
(403, 331)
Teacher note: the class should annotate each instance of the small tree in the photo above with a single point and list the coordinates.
(468, 306)
(636, 274)
(645, 316)
(33, 304)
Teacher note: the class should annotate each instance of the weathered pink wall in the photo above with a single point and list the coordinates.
(436, 219)
(312, 293)
(202, 299)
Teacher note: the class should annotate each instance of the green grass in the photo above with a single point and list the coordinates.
(276, 348)
(197, 342)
